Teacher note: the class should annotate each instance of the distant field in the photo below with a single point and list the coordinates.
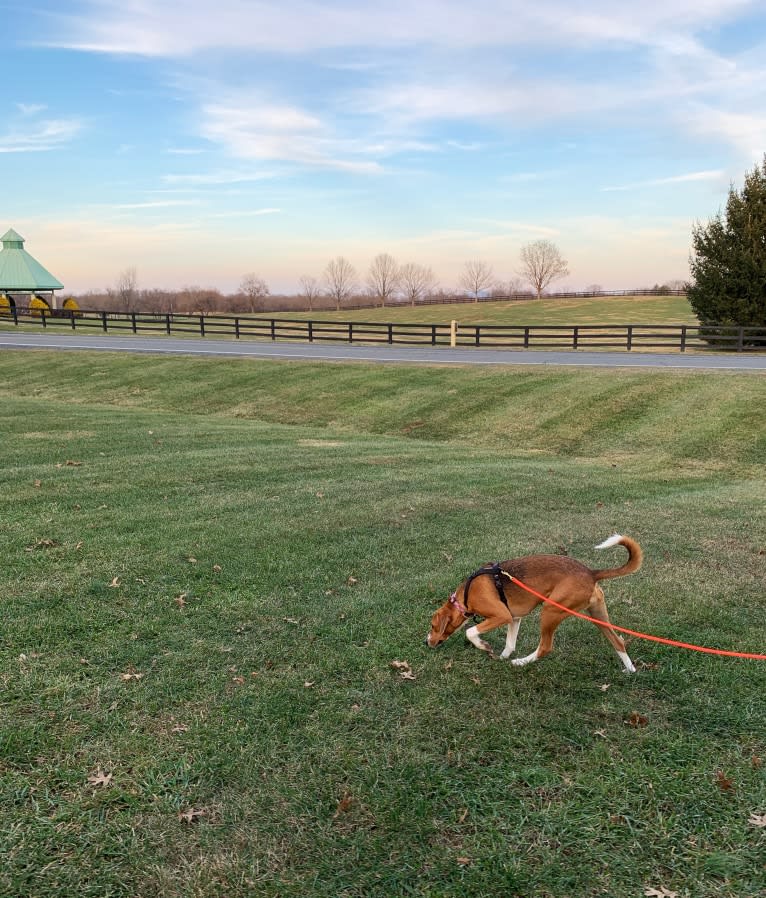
(600, 310)
(210, 566)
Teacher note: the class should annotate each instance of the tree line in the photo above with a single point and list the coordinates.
(340, 285)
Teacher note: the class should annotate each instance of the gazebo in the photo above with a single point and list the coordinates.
(23, 279)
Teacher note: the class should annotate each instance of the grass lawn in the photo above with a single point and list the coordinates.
(592, 310)
(210, 566)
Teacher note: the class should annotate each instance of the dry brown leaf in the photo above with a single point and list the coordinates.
(115, 584)
(308, 684)
(131, 675)
(180, 600)
(464, 816)
(179, 728)
(756, 762)
(191, 559)
(757, 820)
(464, 861)
(662, 892)
(637, 720)
(217, 568)
(351, 581)
(191, 814)
(343, 805)
(724, 783)
(99, 778)
(604, 686)
(38, 483)
(601, 733)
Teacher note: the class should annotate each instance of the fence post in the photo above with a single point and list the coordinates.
(71, 315)
(630, 337)
(273, 329)
(390, 334)
(433, 335)
(133, 322)
(477, 339)
(526, 338)
(453, 333)
(202, 325)
(15, 315)
(104, 325)
(575, 334)
(311, 331)
(350, 332)
(167, 323)
(683, 338)
(42, 315)
(236, 327)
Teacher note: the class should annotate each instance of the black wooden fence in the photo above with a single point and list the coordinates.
(669, 337)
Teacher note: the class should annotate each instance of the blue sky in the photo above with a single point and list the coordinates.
(199, 142)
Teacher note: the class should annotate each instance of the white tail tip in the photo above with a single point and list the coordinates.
(612, 541)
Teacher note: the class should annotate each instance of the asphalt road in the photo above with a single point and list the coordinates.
(397, 354)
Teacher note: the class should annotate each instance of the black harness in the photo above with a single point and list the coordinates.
(497, 574)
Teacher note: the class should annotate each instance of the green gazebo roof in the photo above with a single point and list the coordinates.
(19, 270)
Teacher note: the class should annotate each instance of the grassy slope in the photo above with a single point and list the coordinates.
(612, 310)
(341, 504)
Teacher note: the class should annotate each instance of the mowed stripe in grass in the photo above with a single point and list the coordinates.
(269, 571)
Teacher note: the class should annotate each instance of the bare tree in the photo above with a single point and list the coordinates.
(594, 288)
(256, 290)
(476, 277)
(310, 290)
(126, 290)
(383, 278)
(340, 278)
(541, 263)
(416, 281)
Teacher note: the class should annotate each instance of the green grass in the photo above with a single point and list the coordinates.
(593, 310)
(313, 517)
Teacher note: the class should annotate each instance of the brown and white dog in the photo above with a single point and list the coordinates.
(558, 577)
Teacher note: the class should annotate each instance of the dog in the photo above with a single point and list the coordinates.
(491, 594)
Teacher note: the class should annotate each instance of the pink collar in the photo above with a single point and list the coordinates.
(461, 608)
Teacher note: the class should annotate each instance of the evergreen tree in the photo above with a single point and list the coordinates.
(728, 261)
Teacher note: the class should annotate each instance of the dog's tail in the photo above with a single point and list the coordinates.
(635, 557)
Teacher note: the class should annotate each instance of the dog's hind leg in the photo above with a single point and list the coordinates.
(510, 638)
(550, 618)
(597, 610)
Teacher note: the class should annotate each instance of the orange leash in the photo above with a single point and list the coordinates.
(673, 642)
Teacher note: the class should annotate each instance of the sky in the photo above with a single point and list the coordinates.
(199, 142)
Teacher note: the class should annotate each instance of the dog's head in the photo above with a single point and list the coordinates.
(447, 619)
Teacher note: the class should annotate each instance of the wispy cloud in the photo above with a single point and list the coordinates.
(40, 136)
(215, 178)
(30, 108)
(248, 128)
(156, 204)
(715, 175)
(245, 213)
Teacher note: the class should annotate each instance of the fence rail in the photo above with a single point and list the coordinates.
(670, 337)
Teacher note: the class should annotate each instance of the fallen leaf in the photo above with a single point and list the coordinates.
(180, 600)
(405, 671)
(464, 861)
(115, 583)
(290, 620)
(757, 820)
(662, 892)
(217, 568)
(191, 814)
(72, 464)
(179, 728)
(637, 720)
(464, 816)
(99, 778)
(141, 581)
(407, 675)
(131, 675)
(351, 581)
(724, 783)
(343, 805)
(191, 559)
(601, 733)
(308, 684)
(238, 680)
(38, 483)
(756, 762)
(476, 681)
(604, 686)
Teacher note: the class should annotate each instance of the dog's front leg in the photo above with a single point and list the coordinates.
(473, 634)
(510, 638)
